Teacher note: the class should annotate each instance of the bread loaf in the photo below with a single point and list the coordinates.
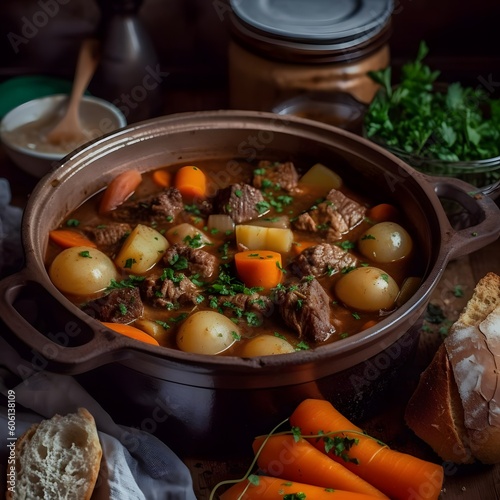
(58, 458)
(456, 405)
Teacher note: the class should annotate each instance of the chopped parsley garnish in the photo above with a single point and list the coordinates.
(302, 346)
(85, 254)
(131, 282)
(72, 222)
(178, 262)
(194, 241)
(262, 206)
(346, 245)
(123, 309)
(129, 263)
(340, 446)
(163, 324)
(368, 237)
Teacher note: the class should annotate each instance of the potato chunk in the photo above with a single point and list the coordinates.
(142, 249)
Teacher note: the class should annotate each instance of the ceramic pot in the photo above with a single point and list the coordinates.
(210, 405)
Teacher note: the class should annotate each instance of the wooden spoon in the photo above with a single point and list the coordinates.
(69, 129)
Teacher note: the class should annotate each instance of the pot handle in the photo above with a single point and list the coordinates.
(53, 337)
(477, 225)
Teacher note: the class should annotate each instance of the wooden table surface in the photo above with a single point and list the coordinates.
(476, 482)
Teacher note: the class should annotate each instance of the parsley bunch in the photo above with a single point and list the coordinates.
(419, 118)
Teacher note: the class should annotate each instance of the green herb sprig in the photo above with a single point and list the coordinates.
(417, 117)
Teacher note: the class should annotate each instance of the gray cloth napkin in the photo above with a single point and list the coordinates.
(135, 465)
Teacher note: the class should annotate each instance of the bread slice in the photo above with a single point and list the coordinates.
(456, 406)
(58, 458)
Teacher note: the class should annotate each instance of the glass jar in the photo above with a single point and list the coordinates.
(280, 49)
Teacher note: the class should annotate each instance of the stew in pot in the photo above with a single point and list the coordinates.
(275, 260)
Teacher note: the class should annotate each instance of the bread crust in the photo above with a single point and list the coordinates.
(432, 415)
(456, 405)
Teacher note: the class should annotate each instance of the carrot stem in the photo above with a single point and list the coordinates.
(398, 475)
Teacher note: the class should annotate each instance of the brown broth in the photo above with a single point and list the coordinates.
(346, 321)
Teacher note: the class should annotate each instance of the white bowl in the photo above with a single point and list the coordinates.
(100, 117)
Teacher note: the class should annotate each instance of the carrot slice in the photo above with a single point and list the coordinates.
(398, 475)
(66, 238)
(131, 331)
(299, 246)
(162, 178)
(369, 324)
(283, 457)
(272, 488)
(259, 268)
(383, 212)
(191, 182)
(119, 189)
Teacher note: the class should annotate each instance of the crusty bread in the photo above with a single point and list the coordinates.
(58, 458)
(456, 405)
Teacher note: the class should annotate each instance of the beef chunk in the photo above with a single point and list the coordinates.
(304, 307)
(165, 205)
(241, 201)
(334, 216)
(191, 261)
(351, 211)
(304, 222)
(118, 306)
(165, 292)
(108, 236)
(281, 175)
(242, 304)
(322, 259)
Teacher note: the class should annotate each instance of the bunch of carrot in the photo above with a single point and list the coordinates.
(327, 456)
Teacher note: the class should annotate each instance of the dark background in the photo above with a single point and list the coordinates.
(191, 37)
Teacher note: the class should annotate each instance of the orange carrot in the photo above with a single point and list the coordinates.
(398, 475)
(273, 488)
(191, 182)
(162, 178)
(299, 246)
(383, 212)
(259, 268)
(119, 189)
(132, 332)
(369, 324)
(66, 238)
(283, 457)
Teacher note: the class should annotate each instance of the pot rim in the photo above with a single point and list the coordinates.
(453, 242)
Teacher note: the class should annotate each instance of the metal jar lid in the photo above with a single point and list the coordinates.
(312, 30)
